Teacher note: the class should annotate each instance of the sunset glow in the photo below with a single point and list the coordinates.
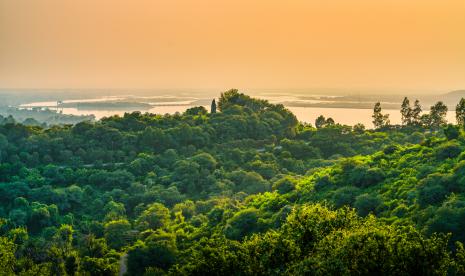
(417, 44)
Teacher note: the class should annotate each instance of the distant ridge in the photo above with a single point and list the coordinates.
(453, 97)
(456, 93)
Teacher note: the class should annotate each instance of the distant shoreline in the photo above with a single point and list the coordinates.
(340, 105)
(107, 105)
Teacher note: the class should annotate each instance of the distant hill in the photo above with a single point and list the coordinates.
(453, 97)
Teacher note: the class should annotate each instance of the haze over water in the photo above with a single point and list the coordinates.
(346, 116)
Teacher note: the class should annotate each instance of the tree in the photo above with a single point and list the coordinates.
(154, 217)
(379, 120)
(320, 121)
(159, 251)
(359, 128)
(460, 112)
(451, 131)
(154, 138)
(213, 107)
(300, 149)
(249, 182)
(376, 250)
(438, 114)
(93, 247)
(244, 222)
(7, 256)
(366, 203)
(425, 120)
(228, 98)
(451, 149)
(31, 122)
(3, 145)
(330, 122)
(197, 110)
(416, 113)
(205, 160)
(114, 211)
(345, 196)
(116, 232)
(284, 185)
(63, 258)
(98, 267)
(406, 112)
(233, 98)
(460, 259)
(431, 190)
(63, 239)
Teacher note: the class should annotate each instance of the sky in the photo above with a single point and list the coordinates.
(382, 44)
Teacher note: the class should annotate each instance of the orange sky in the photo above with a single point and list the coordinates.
(411, 44)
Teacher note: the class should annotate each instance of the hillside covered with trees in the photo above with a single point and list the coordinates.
(242, 189)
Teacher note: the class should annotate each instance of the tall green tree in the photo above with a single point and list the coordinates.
(460, 112)
(416, 113)
(438, 114)
(379, 119)
(406, 112)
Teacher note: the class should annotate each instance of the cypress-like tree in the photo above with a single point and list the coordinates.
(416, 113)
(460, 112)
(213, 107)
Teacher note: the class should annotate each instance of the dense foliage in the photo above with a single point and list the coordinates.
(244, 190)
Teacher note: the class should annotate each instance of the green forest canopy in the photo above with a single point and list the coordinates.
(243, 190)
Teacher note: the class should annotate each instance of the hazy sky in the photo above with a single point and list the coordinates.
(411, 44)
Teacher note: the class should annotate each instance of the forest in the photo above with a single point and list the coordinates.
(241, 189)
